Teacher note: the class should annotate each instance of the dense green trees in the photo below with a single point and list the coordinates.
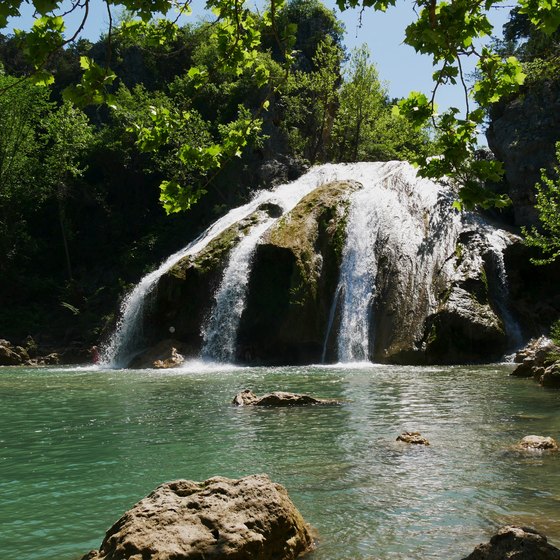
(447, 31)
(23, 107)
(365, 127)
(192, 109)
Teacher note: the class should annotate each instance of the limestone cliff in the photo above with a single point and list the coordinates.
(522, 133)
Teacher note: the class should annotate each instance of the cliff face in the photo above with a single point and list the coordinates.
(522, 133)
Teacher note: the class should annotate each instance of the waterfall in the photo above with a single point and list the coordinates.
(498, 242)
(220, 331)
(408, 223)
(358, 272)
(397, 262)
(126, 340)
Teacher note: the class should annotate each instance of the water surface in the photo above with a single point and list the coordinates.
(79, 446)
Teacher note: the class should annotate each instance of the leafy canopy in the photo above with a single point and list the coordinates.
(547, 238)
(446, 30)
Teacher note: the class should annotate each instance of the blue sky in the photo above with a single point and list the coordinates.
(399, 66)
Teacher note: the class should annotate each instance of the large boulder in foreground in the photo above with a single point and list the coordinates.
(221, 518)
(519, 543)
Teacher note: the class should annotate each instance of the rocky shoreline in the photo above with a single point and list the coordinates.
(29, 353)
(539, 360)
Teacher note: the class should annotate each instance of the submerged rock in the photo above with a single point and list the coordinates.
(278, 398)
(415, 438)
(220, 519)
(519, 543)
(537, 443)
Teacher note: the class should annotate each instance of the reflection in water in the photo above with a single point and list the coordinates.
(77, 448)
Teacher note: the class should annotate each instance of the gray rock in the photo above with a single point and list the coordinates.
(523, 132)
(251, 518)
(515, 543)
(278, 398)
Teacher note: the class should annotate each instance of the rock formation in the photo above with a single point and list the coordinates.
(12, 355)
(536, 443)
(522, 133)
(15, 355)
(414, 438)
(437, 281)
(540, 359)
(251, 518)
(519, 543)
(293, 280)
(278, 398)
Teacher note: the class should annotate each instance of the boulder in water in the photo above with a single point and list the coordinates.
(278, 398)
(220, 518)
(166, 354)
(414, 438)
(174, 360)
(538, 360)
(537, 443)
(519, 543)
(551, 375)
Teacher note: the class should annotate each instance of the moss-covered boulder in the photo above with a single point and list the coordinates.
(294, 278)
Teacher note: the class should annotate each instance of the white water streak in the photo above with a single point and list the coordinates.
(408, 222)
(220, 331)
(498, 242)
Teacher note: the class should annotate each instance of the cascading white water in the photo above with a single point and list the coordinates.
(498, 242)
(127, 338)
(357, 278)
(401, 240)
(407, 221)
(220, 331)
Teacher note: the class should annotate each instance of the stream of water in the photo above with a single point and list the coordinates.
(79, 446)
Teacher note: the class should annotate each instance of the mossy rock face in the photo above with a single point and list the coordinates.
(184, 295)
(293, 280)
(464, 330)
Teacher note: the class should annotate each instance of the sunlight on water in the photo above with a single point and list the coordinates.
(80, 446)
